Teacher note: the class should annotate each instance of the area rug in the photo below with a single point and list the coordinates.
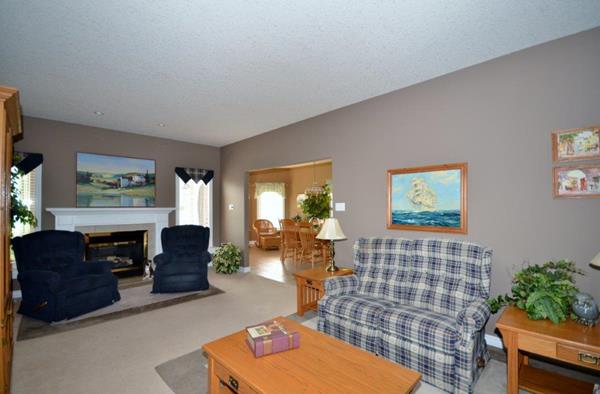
(188, 374)
(135, 298)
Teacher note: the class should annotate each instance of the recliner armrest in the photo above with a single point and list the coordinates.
(50, 279)
(473, 318)
(341, 285)
(96, 267)
(162, 258)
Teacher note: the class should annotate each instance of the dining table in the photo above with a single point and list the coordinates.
(323, 244)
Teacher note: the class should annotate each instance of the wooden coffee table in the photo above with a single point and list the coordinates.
(322, 364)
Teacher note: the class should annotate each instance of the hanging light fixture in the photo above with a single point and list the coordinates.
(315, 188)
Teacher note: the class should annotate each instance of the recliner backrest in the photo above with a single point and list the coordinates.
(436, 274)
(186, 239)
(50, 250)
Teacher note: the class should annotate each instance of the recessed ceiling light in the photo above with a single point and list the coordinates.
(99, 113)
(161, 124)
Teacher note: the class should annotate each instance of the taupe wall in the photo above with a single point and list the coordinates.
(497, 116)
(59, 142)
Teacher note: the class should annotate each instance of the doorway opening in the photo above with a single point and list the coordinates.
(282, 231)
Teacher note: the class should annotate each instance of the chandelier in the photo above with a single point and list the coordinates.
(315, 188)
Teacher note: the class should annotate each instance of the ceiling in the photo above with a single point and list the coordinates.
(216, 72)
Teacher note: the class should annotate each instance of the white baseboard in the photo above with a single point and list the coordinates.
(245, 269)
(493, 340)
(17, 294)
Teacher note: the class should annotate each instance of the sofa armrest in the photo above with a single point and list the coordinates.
(341, 285)
(473, 318)
(48, 279)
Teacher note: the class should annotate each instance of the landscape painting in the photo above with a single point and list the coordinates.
(576, 144)
(114, 181)
(432, 198)
(577, 182)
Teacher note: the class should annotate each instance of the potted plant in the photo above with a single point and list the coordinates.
(543, 291)
(317, 205)
(227, 258)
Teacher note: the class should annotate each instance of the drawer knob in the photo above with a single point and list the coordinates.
(588, 358)
(233, 383)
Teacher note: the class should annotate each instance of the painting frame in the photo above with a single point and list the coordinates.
(150, 162)
(555, 182)
(463, 226)
(557, 157)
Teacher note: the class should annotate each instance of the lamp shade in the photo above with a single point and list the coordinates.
(596, 261)
(331, 230)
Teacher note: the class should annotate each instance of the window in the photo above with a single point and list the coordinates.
(194, 204)
(29, 190)
(271, 206)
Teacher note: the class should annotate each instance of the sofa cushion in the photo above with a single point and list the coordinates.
(429, 329)
(376, 260)
(87, 283)
(358, 308)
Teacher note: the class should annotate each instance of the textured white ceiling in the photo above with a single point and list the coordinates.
(215, 72)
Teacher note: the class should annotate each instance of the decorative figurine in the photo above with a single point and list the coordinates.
(585, 308)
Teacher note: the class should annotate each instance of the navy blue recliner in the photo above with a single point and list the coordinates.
(183, 264)
(56, 283)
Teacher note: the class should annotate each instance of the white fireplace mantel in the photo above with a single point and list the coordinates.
(71, 218)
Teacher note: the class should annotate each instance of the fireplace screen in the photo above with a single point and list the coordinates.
(126, 250)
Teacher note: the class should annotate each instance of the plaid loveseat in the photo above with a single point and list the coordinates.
(420, 303)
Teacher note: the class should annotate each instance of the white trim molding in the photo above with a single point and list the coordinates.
(70, 218)
(244, 269)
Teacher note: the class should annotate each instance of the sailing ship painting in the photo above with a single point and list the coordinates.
(428, 198)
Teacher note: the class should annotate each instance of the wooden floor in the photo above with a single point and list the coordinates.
(266, 263)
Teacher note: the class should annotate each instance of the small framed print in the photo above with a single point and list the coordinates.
(576, 144)
(577, 181)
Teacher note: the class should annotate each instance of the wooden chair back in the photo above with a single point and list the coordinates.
(307, 240)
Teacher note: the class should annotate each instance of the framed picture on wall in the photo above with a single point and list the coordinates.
(576, 144)
(115, 181)
(577, 182)
(432, 198)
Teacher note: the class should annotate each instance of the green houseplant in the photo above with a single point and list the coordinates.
(227, 258)
(317, 205)
(543, 291)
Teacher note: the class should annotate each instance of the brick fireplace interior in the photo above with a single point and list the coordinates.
(126, 250)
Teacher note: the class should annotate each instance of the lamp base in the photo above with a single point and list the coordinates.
(332, 267)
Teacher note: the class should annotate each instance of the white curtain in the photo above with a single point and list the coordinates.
(264, 187)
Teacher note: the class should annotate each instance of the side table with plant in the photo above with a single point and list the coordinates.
(227, 258)
(544, 291)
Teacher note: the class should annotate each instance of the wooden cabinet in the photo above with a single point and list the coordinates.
(10, 125)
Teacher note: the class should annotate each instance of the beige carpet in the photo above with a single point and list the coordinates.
(120, 356)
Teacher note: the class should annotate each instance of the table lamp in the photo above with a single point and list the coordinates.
(595, 263)
(331, 231)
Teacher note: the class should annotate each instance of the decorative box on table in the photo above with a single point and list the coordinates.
(270, 337)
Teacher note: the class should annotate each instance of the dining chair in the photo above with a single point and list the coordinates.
(290, 243)
(308, 246)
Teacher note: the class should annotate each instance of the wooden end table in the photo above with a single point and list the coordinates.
(322, 364)
(309, 287)
(568, 342)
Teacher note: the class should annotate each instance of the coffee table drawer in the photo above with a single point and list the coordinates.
(232, 383)
(578, 356)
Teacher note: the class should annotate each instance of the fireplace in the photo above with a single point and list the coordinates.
(126, 250)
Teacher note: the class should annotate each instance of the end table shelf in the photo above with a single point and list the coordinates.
(309, 287)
